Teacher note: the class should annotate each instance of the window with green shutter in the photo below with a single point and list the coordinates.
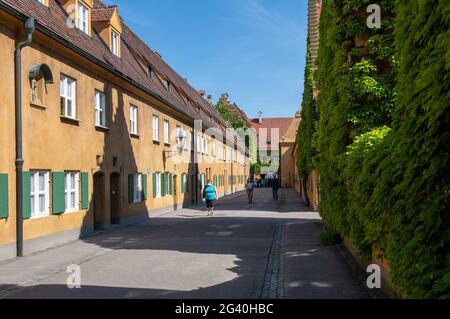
(170, 184)
(26, 195)
(58, 193)
(154, 185)
(144, 187)
(130, 188)
(182, 183)
(163, 184)
(4, 196)
(84, 190)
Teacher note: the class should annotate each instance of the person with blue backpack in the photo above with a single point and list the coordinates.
(210, 195)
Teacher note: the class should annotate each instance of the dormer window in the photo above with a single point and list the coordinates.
(83, 18)
(150, 72)
(44, 2)
(115, 44)
(80, 12)
(106, 21)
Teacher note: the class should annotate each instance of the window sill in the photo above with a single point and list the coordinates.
(39, 217)
(38, 105)
(102, 128)
(136, 136)
(69, 212)
(167, 144)
(156, 142)
(70, 120)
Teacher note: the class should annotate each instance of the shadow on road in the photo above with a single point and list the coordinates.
(189, 256)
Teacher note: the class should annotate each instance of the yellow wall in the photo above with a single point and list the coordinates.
(287, 165)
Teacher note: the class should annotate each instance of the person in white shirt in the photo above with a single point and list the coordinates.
(250, 187)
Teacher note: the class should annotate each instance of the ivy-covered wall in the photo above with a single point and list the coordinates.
(356, 80)
(307, 129)
(383, 137)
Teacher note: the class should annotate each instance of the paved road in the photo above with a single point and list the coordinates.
(267, 250)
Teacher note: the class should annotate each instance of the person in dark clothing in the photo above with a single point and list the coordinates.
(275, 186)
(250, 190)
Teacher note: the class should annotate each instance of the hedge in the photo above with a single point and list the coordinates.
(384, 156)
(307, 129)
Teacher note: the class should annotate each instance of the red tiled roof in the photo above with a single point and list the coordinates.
(273, 123)
(54, 19)
(102, 14)
(265, 131)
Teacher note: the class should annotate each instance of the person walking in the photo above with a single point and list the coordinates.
(275, 186)
(250, 188)
(210, 195)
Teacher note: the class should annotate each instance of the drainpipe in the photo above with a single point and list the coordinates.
(30, 26)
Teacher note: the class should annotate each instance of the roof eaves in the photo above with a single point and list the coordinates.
(90, 57)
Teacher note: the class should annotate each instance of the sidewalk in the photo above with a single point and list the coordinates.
(317, 272)
(26, 271)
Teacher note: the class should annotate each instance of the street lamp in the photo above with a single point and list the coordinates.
(180, 142)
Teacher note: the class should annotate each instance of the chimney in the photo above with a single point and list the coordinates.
(260, 119)
(202, 93)
(224, 97)
(209, 98)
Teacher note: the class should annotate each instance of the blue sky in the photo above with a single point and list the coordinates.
(252, 49)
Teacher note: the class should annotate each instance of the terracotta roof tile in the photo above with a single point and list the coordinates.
(282, 124)
(102, 14)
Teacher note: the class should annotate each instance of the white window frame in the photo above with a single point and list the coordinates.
(83, 18)
(70, 190)
(36, 193)
(185, 137)
(158, 185)
(166, 126)
(155, 128)
(184, 182)
(133, 119)
(100, 109)
(179, 133)
(167, 186)
(138, 188)
(115, 38)
(199, 143)
(206, 146)
(68, 96)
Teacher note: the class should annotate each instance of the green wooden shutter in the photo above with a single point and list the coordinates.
(130, 188)
(3, 196)
(171, 183)
(26, 196)
(59, 193)
(144, 186)
(84, 190)
(183, 176)
(154, 185)
(163, 184)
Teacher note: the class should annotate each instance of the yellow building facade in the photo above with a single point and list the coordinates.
(109, 134)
